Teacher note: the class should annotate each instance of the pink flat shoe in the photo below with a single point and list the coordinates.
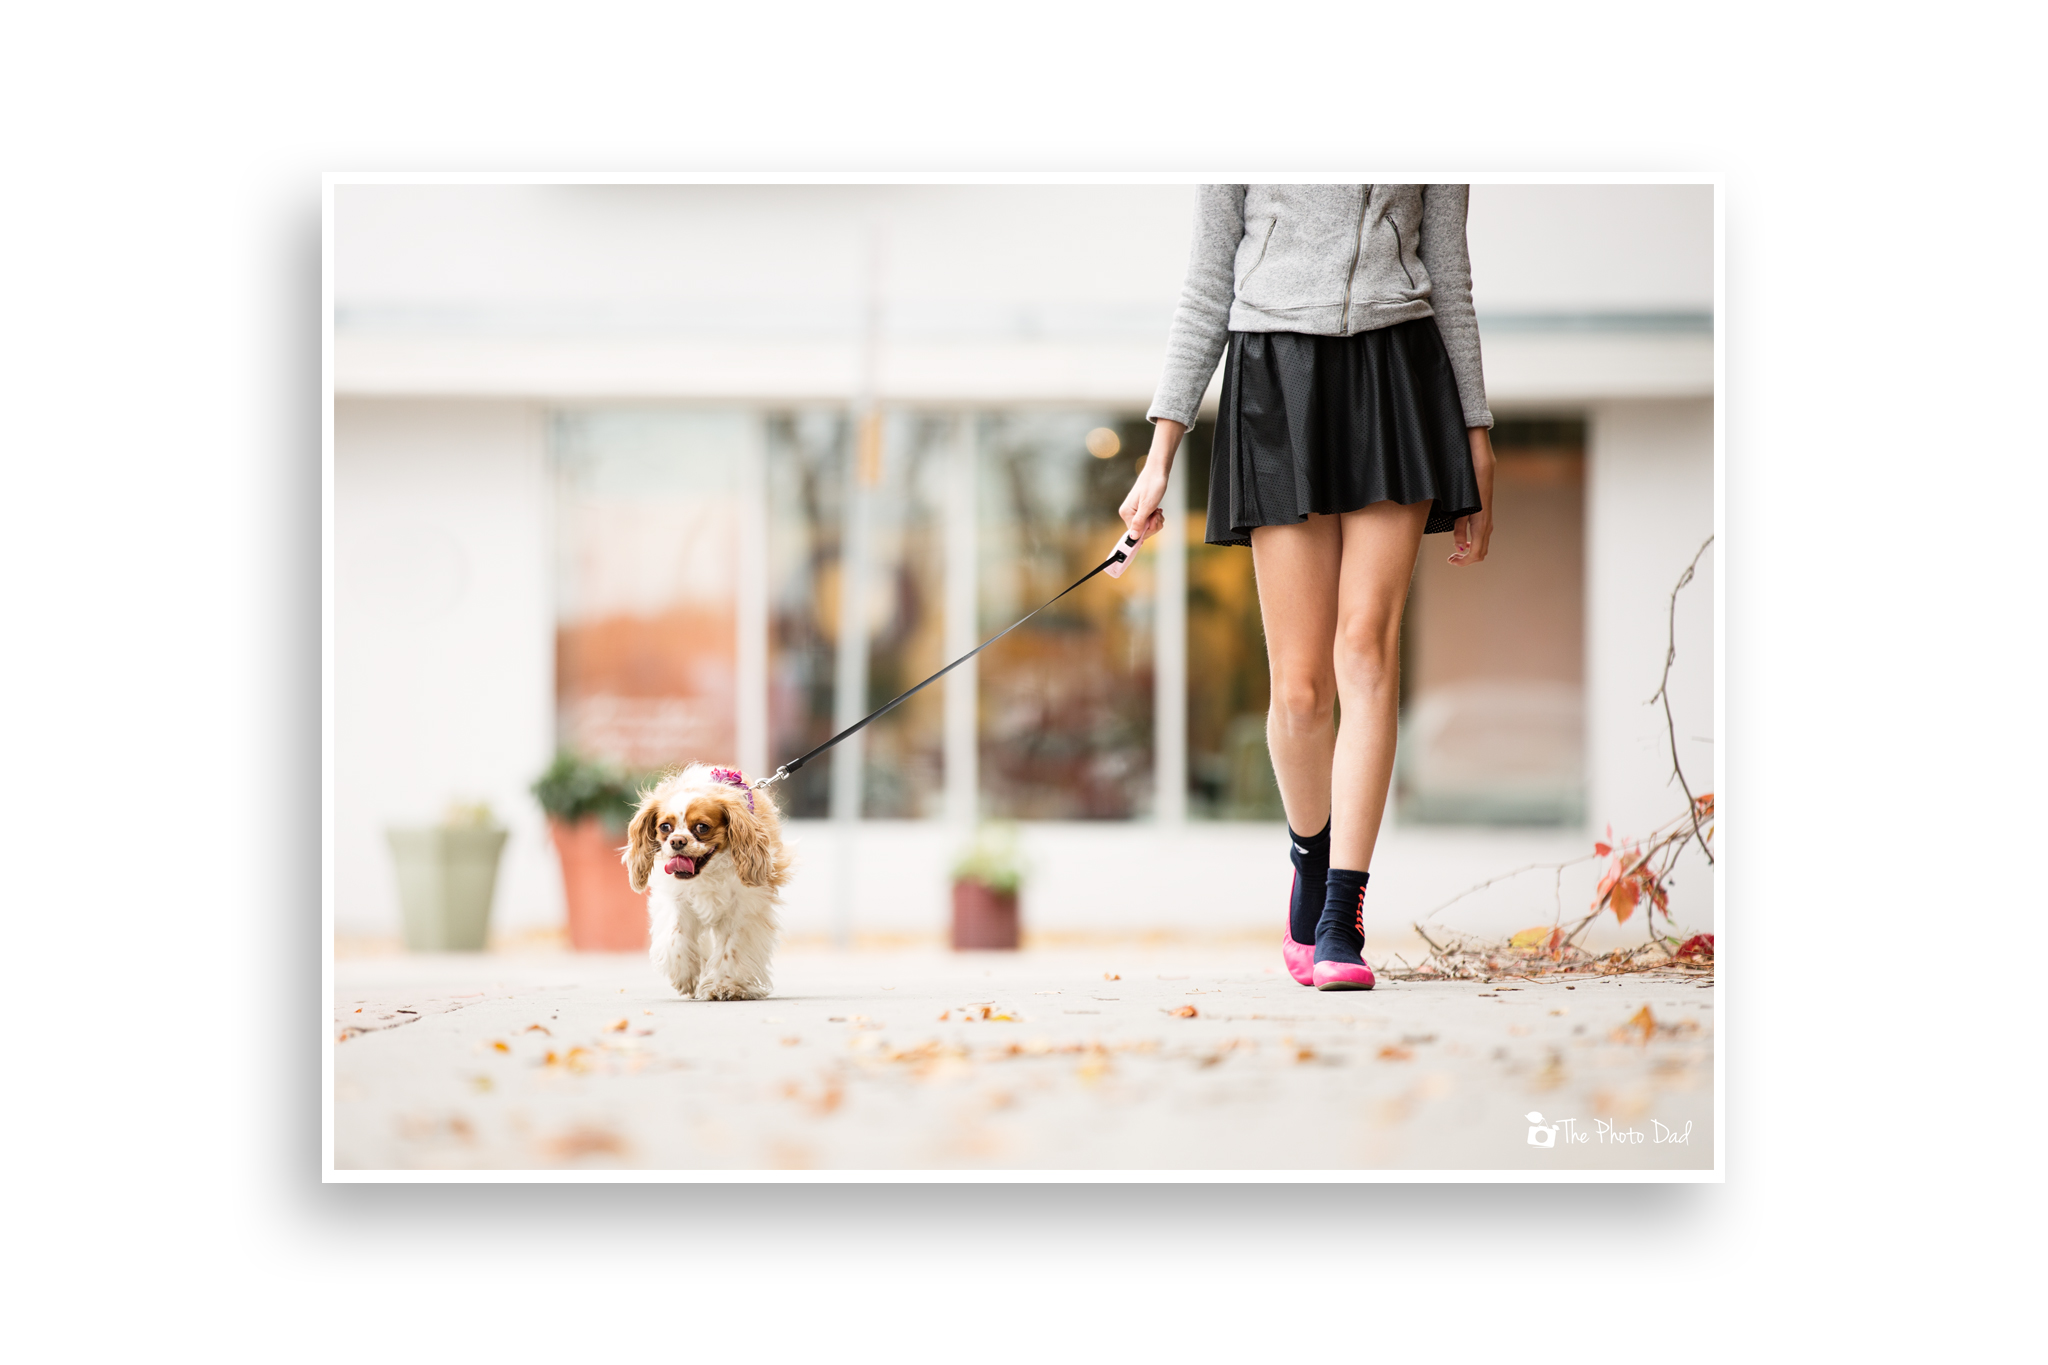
(1299, 957)
(1342, 976)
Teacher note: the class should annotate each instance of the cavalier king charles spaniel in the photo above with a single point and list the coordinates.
(707, 850)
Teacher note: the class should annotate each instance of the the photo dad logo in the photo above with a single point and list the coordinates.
(1543, 1134)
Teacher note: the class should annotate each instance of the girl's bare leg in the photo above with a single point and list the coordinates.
(1297, 569)
(1378, 560)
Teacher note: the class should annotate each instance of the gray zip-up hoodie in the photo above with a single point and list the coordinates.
(1329, 260)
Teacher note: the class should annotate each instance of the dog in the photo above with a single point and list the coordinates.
(711, 906)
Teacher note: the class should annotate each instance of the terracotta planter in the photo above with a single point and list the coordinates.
(983, 917)
(605, 914)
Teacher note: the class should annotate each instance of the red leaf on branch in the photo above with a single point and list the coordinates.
(1602, 850)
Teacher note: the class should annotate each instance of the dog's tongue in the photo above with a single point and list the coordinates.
(675, 865)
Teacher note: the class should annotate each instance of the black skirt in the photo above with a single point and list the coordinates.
(1333, 424)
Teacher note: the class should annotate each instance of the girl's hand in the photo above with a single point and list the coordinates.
(1140, 510)
(1472, 533)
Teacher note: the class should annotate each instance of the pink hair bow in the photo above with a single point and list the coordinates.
(733, 777)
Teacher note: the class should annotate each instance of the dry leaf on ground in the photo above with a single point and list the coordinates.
(1641, 1026)
(581, 1142)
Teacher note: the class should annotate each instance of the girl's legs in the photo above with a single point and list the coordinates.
(1331, 590)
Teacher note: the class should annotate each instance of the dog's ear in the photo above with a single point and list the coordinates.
(642, 844)
(751, 838)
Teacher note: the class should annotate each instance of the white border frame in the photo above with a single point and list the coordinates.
(329, 1174)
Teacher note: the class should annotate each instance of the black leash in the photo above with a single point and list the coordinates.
(1121, 555)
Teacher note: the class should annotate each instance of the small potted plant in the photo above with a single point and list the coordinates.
(985, 882)
(447, 874)
(588, 805)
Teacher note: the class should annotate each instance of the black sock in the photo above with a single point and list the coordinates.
(1311, 855)
(1340, 933)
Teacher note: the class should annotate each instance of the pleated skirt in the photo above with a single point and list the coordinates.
(1332, 424)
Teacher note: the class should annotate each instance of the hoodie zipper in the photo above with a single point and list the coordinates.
(1357, 249)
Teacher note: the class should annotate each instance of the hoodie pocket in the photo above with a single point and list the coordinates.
(1260, 259)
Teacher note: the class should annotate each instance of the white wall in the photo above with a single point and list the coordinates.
(444, 641)
(1650, 502)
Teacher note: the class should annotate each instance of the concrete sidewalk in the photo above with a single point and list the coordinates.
(1200, 1057)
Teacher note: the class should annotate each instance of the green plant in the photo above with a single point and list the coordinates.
(991, 859)
(575, 788)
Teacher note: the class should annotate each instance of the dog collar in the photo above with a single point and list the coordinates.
(733, 777)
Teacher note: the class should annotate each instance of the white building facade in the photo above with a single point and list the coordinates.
(533, 385)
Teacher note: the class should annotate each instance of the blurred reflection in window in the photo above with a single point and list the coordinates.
(807, 466)
(904, 759)
(1493, 682)
(1230, 773)
(1066, 702)
(647, 520)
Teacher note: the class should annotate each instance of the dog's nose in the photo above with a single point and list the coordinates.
(678, 844)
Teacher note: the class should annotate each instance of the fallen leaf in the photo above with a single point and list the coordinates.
(944, 1017)
(647, 1011)
(1642, 1023)
(1106, 976)
(1698, 948)
(481, 1083)
(791, 1041)
(498, 1046)
(1531, 938)
(1184, 1012)
(617, 1026)
(580, 1142)
(536, 1028)
(1391, 1053)
(359, 1009)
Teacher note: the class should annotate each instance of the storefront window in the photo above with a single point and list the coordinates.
(1493, 698)
(647, 511)
(807, 466)
(1230, 774)
(1066, 702)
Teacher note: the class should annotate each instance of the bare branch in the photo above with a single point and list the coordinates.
(1663, 694)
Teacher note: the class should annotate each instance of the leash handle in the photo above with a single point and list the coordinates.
(1120, 558)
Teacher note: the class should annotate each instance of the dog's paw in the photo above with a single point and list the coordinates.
(725, 988)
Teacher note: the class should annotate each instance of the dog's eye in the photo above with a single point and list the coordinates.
(666, 827)
(700, 827)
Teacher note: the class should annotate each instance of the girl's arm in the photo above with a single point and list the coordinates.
(1443, 253)
(1449, 264)
(1201, 325)
(1141, 509)
(1471, 534)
